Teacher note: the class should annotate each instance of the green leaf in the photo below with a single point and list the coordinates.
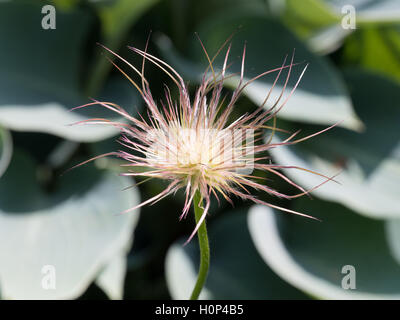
(117, 17)
(314, 12)
(393, 237)
(39, 57)
(319, 22)
(314, 21)
(6, 147)
(321, 96)
(236, 270)
(365, 45)
(369, 163)
(65, 4)
(321, 13)
(311, 255)
(41, 71)
(367, 11)
(72, 227)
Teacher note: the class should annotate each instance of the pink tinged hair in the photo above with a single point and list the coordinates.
(200, 115)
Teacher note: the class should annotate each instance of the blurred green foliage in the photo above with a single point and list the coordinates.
(70, 221)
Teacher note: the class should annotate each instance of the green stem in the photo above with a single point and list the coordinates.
(204, 247)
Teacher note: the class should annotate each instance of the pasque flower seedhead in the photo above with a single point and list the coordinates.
(194, 144)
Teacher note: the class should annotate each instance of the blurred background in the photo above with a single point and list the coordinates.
(60, 234)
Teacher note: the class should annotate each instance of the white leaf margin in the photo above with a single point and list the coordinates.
(181, 275)
(7, 151)
(376, 196)
(121, 243)
(111, 279)
(265, 234)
